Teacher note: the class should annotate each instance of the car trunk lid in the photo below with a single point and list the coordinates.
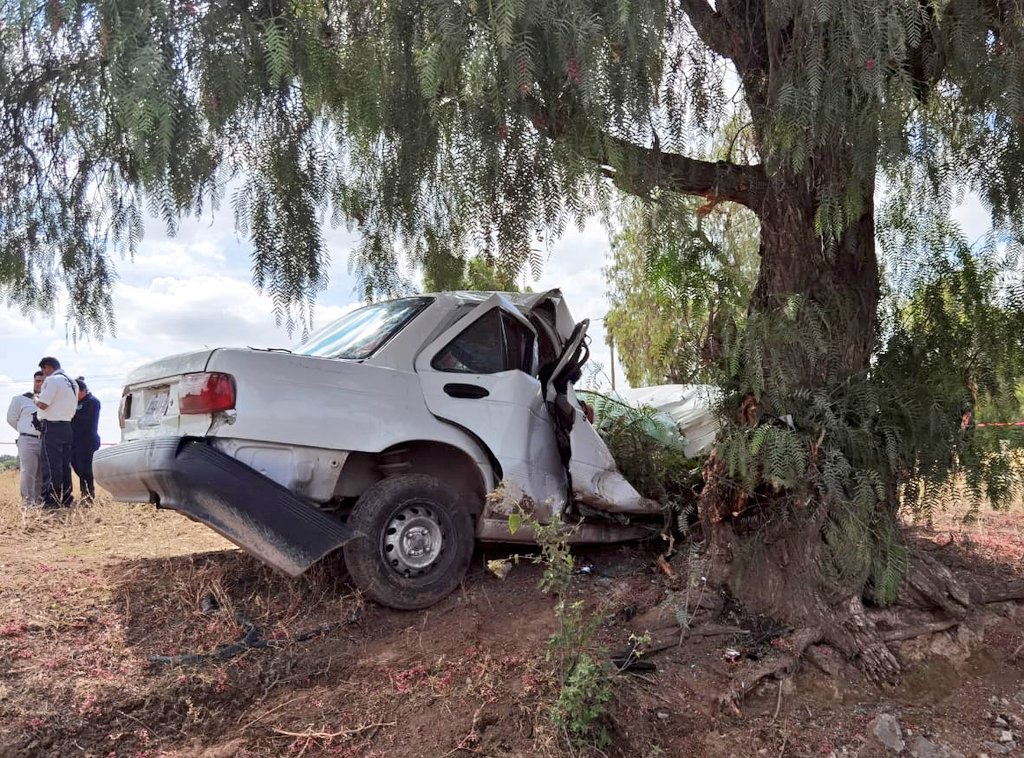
(149, 401)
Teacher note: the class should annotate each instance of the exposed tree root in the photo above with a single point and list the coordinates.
(805, 642)
(856, 633)
(776, 572)
(745, 681)
(856, 636)
(1009, 591)
(713, 630)
(931, 585)
(825, 658)
(668, 637)
(910, 632)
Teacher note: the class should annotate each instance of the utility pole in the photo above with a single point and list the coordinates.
(611, 346)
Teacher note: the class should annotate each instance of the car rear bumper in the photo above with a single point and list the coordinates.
(254, 512)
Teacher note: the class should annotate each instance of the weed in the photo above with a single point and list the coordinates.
(584, 687)
(582, 701)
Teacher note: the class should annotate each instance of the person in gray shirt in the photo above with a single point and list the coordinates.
(21, 414)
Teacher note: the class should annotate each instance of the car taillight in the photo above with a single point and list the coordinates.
(207, 392)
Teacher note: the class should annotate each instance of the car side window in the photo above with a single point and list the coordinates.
(495, 342)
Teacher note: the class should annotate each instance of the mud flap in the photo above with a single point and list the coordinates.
(249, 509)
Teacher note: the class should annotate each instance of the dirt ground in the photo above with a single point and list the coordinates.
(87, 598)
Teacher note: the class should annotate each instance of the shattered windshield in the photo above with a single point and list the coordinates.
(359, 334)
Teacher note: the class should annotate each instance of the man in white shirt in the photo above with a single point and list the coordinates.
(30, 458)
(56, 401)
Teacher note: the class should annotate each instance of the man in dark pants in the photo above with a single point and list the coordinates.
(56, 401)
(85, 439)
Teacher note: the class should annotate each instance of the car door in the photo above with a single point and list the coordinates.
(480, 376)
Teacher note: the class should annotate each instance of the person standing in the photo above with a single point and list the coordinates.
(56, 401)
(21, 415)
(85, 439)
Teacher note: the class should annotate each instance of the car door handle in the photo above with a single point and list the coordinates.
(467, 391)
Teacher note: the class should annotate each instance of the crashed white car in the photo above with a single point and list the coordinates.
(382, 433)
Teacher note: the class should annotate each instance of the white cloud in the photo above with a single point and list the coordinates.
(196, 311)
(158, 257)
(13, 323)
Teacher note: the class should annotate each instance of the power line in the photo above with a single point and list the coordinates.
(90, 379)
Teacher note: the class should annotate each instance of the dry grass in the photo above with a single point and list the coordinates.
(90, 593)
(106, 529)
(957, 517)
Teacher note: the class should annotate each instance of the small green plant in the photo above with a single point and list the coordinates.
(582, 701)
(584, 686)
(553, 539)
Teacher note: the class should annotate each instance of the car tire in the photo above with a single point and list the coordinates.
(417, 541)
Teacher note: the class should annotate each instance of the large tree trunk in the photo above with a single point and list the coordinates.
(774, 566)
(840, 276)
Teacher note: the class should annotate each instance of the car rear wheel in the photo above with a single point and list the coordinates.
(417, 543)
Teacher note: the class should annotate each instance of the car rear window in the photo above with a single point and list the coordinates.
(362, 332)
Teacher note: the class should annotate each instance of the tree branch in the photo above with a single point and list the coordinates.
(638, 170)
(709, 25)
(1010, 591)
(794, 646)
(910, 632)
(645, 168)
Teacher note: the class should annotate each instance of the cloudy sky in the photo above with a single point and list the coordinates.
(194, 290)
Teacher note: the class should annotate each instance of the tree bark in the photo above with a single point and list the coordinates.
(776, 571)
(838, 275)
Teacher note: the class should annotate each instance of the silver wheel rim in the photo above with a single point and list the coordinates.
(413, 540)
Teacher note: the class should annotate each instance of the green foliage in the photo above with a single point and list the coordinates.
(439, 128)
(682, 273)
(890, 561)
(647, 449)
(955, 355)
(555, 555)
(583, 701)
(895, 434)
(443, 273)
(676, 280)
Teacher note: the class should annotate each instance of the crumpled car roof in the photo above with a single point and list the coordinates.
(691, 406)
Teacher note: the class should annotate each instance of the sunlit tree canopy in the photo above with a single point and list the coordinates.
(443, 126)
